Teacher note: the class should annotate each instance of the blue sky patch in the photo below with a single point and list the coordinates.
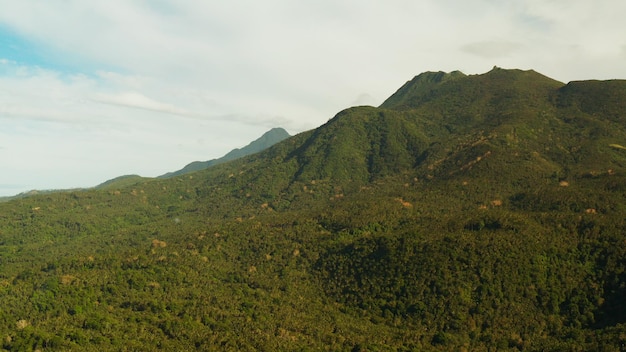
(24, 51)
(14, 47)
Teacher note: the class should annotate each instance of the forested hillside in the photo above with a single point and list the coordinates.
(473, 213)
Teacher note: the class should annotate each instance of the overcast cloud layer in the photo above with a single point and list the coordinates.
(91, 90)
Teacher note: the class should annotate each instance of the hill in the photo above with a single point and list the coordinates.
(121, 181)
(36, 192)
(481, 212)
(267, 140)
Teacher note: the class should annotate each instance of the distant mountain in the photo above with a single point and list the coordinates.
(121, 181)
(36, 192)
(267, 140)
(467, 212)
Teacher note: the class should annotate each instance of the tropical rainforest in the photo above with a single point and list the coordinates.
(467, 212)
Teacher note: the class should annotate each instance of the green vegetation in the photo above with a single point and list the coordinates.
(466, 213)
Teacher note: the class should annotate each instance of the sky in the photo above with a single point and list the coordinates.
(92, 90)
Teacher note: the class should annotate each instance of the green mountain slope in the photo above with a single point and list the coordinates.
(474, 213)
(267, 140)
(121, 181)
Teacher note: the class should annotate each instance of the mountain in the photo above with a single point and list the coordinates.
(35, 192)
(121, 181)
(267, 140)
(467, 212)
(509, 124)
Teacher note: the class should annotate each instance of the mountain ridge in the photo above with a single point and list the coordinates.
(268, 139)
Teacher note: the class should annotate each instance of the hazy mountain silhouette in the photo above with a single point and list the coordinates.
(267, 140)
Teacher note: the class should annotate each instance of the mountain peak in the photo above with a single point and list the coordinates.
(276, 133)
(434, 86)
(420, 85)
(436, 77)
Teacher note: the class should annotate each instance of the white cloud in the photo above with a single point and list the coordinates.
(140, 101)
(365, 99)
(492, 49)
